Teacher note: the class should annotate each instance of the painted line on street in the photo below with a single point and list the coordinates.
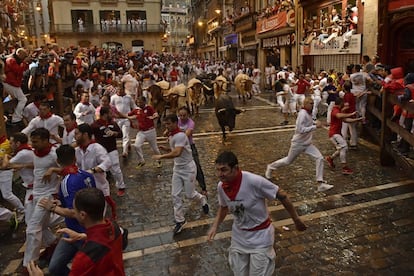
(284, 222)
(197, 223)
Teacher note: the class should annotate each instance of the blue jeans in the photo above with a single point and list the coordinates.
(62, 256)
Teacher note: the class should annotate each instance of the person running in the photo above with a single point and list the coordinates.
(302, 143)
(84, 110)
(145, 116)
(184, 171)
(38, 230)
(337, 116)
(245, 195)
(186, 125)
(73, 180)
(101, 252)
(94, 158)
(106, 131)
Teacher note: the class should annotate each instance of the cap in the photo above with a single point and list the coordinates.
(43, 56)
(379, 66)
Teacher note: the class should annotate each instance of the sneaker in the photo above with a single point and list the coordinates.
(324, 186)
(206, 209)
(121, 192)
(284, 123)
(124, 238)
(268, 173)
(347, 171)
(179, 227)
(140, 165)
(159, 164)
(330, 161)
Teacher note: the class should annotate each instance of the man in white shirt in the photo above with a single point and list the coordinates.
(184, 171)
(84, 110)
(46, 120)
(124, 104)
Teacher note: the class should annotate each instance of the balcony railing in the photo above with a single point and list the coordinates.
(98, 28)
(245, 22)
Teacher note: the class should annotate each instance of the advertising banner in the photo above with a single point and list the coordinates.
(334, 47)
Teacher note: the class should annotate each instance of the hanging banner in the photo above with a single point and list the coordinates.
(275, 22)
(333, 47)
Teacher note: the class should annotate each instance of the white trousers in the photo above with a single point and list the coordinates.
(352, 132)
(294, 151)
(316, 101)
(252, 262)
(38, 232)
(341, 147)
(184, 179)
(151, 137)
(16, 92)
(328, 114)
(6, 182)
(116, 170)
(125, 126)
(300, 98)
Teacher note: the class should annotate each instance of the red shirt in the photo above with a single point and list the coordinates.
(302, 85)
(14, 71)
(174, 75)
(336, 123)
(101, 253)
(350, 99)
(142, 114)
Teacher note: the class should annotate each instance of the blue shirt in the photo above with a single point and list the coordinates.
(70, 184)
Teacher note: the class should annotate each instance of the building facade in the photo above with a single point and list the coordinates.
(131, 24)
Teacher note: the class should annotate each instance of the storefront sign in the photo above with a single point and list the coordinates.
(278, 41)
(334, 47)
(230, 39)
(280, 20)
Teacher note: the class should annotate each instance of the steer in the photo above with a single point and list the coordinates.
(226, 113)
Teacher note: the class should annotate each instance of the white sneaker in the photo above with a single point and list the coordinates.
(268, 173)
(324, 187)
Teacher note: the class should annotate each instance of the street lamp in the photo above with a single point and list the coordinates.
(38, 6)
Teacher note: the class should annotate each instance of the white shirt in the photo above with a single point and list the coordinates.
(52, 124)
(41, 165)
(82, 108)
(24, 156)
(304, 128)
(181, 140)
(30, 111)
(68, 138)
(95, 156)
(131, 84)
(249, 210)
(124, 104)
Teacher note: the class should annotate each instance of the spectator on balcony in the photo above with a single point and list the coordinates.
(351, 21)
(80, 24)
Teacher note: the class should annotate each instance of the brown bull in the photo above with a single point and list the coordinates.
(195, 93)
(220, 86)
(243, 86)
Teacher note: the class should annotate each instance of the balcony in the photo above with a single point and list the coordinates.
(245, 22)
(97, 28)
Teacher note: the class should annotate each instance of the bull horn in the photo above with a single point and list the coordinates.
(206, 87)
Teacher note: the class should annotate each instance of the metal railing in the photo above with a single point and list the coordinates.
(100, 28)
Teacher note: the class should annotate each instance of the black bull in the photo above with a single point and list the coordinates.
(226, 113)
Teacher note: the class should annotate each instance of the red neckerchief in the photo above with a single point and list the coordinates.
(72, 128)
(23, 146)
(175, 131)
(37, 104)
(3, 139)
(71, 169)
(86, 146)
(103, 122)
(309, 111)
(232, 188)
(43, 152)
(87, 103)
(47, 116)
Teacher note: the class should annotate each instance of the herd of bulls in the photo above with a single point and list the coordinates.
(199, 90)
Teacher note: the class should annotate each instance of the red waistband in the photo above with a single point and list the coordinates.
(261, 226)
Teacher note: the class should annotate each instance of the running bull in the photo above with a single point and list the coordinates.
(226, 113)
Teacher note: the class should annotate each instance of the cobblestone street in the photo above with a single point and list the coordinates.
(363, 226)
